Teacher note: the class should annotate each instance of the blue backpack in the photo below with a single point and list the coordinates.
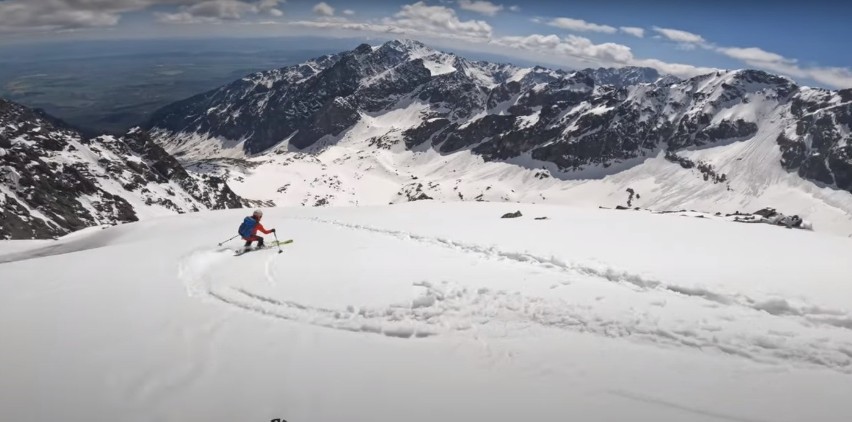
(247, 227)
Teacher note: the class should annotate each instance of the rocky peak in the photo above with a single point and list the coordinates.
(758, 81)
(408, 47)
(363, 49)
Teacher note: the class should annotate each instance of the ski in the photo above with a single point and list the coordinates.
(269, 245)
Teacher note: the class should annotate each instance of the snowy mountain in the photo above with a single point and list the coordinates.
(55, 181)
(429, 312)
(402, 121)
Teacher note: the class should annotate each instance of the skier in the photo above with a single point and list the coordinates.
(251, 225)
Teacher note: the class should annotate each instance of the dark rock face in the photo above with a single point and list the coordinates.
(385, 90)
(515, 214)
(425, 132)
(413, 192)
(55, 181)
(576, 120)
(735, 130)
(707, 171)
(456, 137)
(335, 117)
(820, 146)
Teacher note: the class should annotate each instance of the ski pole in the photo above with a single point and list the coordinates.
(276, 241)
(226, 241)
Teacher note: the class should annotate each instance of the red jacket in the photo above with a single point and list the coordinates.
(259, 228)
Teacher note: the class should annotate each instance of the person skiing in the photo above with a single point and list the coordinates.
(251, 225)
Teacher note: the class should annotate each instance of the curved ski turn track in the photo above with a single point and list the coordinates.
(556, 293)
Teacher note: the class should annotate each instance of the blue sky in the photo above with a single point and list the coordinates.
(807, 41)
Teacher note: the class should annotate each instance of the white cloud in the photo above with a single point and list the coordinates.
(584, 50)
(46, 15)
(323, 9)
(421, 19)
(632, 30)
(416, 19)
(30, 19)
(751, 54)
(214, 11)
(348, 12)
(269, 4)
(515, 8)
(677, 69)
(606, 52)
(581, 25)
(531, 42)
(480, 6)
(835, 77)
(758, 58)
(680, 36)
(220, 9)
(782, 68)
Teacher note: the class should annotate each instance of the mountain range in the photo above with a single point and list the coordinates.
(402, 121)
(572, 119)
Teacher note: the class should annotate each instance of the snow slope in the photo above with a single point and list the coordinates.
(430, 311)
(368, 165)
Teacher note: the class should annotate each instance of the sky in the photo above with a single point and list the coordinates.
(806, 41)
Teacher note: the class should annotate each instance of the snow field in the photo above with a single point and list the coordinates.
(376, 313)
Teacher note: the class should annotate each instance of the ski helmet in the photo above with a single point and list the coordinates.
(257, 213)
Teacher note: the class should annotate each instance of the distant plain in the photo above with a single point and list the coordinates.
(111, 86)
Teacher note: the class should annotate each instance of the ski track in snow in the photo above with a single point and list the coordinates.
(267, 271)
(447, 308)
(777, 307)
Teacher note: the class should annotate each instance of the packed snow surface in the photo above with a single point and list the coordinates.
(430, 311)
